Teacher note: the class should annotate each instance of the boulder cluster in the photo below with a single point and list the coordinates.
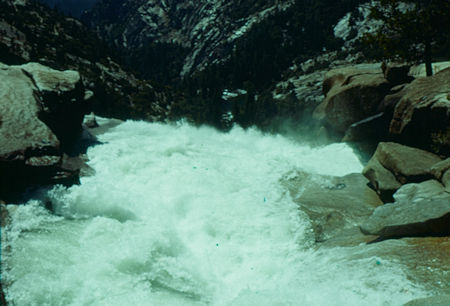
(404, 117)
(367, 103)
(416, 185)
(41, 114)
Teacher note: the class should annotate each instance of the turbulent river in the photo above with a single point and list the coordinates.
(179, 215)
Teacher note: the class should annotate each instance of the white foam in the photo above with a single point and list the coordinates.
(178, 215)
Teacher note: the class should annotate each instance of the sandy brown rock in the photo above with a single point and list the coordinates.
(352, 94)
(41, 110)
(421, 116)
(419, 210)
(334, 204)
(404, 162)
(393, 165)
(21, 131)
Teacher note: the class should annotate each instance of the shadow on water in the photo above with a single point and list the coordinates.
(162, 287)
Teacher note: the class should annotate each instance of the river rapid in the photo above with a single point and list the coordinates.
(180, 215)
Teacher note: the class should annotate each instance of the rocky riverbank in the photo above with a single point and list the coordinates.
(42, 138)
(41, 113)
(369, 103)
(403, 192)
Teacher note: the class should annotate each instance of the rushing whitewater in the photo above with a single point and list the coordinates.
(178, 215)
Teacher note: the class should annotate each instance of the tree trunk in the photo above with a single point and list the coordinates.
(428, 66)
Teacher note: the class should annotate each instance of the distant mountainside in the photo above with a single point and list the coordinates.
(30, 31)
(203, 47)
(184, 37)
(73, 8)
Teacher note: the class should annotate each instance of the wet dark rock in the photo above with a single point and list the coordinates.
(419, 210)
(76, 165)
(366, 134)
(104, 125)
(393, 165)
(90, 121)
(446, 180)
(396, 73)
(334, 204)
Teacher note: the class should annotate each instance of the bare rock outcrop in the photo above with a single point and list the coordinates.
(369, 105)
(396, 73)
(394, 164)
(438, 300)
(419, 210)
(334, 204)
(41, 111)
(421, 116)
(351, 94)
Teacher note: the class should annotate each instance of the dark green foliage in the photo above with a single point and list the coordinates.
(414, 34)
(71, 7)
(159, 61)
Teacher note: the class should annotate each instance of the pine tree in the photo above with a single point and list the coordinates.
(411, 28)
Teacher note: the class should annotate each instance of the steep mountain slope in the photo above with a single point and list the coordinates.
(192, 35)
(207, 30)
(30, 31)
(204, 47)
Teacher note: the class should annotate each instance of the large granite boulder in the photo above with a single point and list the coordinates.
(419, 210)
(440, 168)
(394, 164)
(333, 204)
(41, 110)
(421, 116)
(351, 94)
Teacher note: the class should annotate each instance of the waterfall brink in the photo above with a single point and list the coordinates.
(179, 215)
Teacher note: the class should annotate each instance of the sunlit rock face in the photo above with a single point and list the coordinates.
(41, 111)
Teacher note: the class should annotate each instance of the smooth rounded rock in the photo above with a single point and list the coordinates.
(419, 210)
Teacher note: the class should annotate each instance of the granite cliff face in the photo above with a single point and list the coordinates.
(259, 39)
(204, 48)
(205, 30)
